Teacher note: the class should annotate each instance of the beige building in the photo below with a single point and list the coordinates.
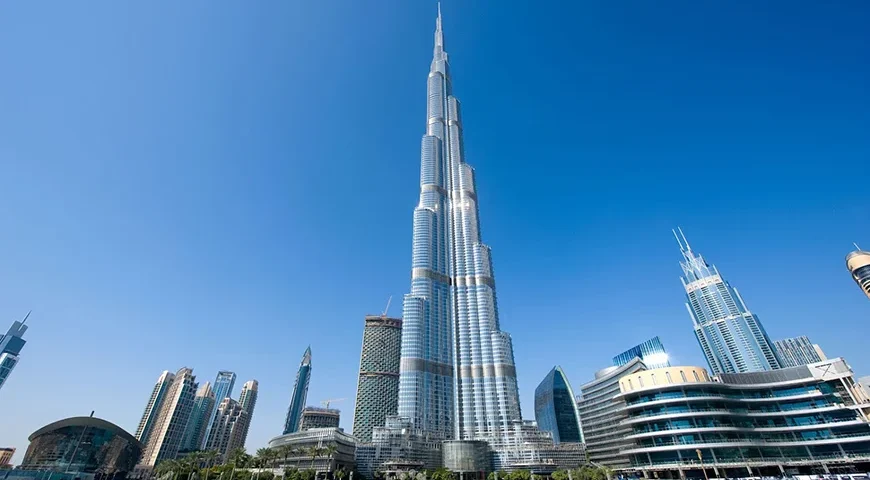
(229, 428)
(858, 263)
(164, 439)
(6, 456)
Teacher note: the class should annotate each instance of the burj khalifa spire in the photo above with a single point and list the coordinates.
(457, 377)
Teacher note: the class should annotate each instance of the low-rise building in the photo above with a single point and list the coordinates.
(799, 420)
(398, 442)
(307, 450)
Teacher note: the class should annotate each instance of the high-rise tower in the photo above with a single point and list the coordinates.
(300, 394)
(153, 407)
(858, 263)
(457, 378)
(248, 400)
(203, 406)
(731, 337)
(10, 348)
(377, 393)
(556, 408)
(223, 388)
(164, 440)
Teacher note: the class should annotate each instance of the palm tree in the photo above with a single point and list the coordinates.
(314, 452)
(341, 473)
(329, 451)
(209, 456)
(285, 452)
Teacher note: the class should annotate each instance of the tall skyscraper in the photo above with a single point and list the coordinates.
(223, 388)
(10, 348)
(377, 393)
(300, 394)
(167, 431)
(858, 263)
(228, 431)
(248, 400)
(731, 337)
(556, 409)
(152, 409)
(652, 352)
(797, 351)
(458, 378)
(203, 406)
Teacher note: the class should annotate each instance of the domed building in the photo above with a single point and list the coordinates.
(82, 445)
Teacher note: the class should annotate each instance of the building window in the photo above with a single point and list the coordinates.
(640, 381)
(668, 376)
(683, 374)
(629, 385)
(695, 373)
(653, 376)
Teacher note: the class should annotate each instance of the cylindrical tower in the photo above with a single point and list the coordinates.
(858, 263)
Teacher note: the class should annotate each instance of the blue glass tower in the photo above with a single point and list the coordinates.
(731, 337)
(556, 408)
(651, 352)
(10, 348)
(300, 394)
(223, 387)
(457, 375)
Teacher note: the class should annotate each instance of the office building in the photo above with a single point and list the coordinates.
(452, 302)
(82, 445)
(6, 454)
(152, 409)
(248, 400)
(526, 447)
(398, 439)
(555, 408)
(203, 406)
(300, 444)
(731, 337)
(790, 421)
(229, 428)
(167, 430)
(858, 263)
(377, 393)
(223, 388)
(313, 417)
(299, 395)
(651, 352)
(796, 351)
(10, 348)
(601, 415)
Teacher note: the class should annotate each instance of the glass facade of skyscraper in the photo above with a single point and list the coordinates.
(731, 337)
(299, 395)
(223, 388)
(10, 347)
(796, 351)
(556, 409)
(458, 378)
(858, 263)
(377, 394)
(652, 352)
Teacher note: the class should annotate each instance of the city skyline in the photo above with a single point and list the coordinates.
(136, 253)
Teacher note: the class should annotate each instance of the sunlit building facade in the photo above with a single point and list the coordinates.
(458, 378)
(797, 351)
(377, 393)
(731, 337)
(203, 406)
(858, 263)
(223, 388)
(652, 352)
(167, 431)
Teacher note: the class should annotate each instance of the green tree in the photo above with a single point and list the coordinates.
(238, 458)
(442, 473)
(520, 475)
(340, 473)
(560, 475)
(307, 474)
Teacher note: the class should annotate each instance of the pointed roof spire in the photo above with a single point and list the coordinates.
(306, 357)
(688, 247)
(28, 316)
(439, 34)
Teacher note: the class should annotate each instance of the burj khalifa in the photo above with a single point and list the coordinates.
(457, 377)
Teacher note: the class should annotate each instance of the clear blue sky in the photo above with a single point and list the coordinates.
(221, 184)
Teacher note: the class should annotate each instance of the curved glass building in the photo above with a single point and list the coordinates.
(300, 394)
(556, 409)
(858, 263)
(805, 419)
(457, 375)
(731, 337)
(82, 445)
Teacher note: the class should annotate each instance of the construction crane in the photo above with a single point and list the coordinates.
(389, 301)
(326, 403)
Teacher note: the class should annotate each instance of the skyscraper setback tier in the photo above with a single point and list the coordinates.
(377, 393)
(858, 263)
(164, 440)
(152, 408)
(457, 378)
(731, 337)
(299, 395)
(223, 388)
(797, 351)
